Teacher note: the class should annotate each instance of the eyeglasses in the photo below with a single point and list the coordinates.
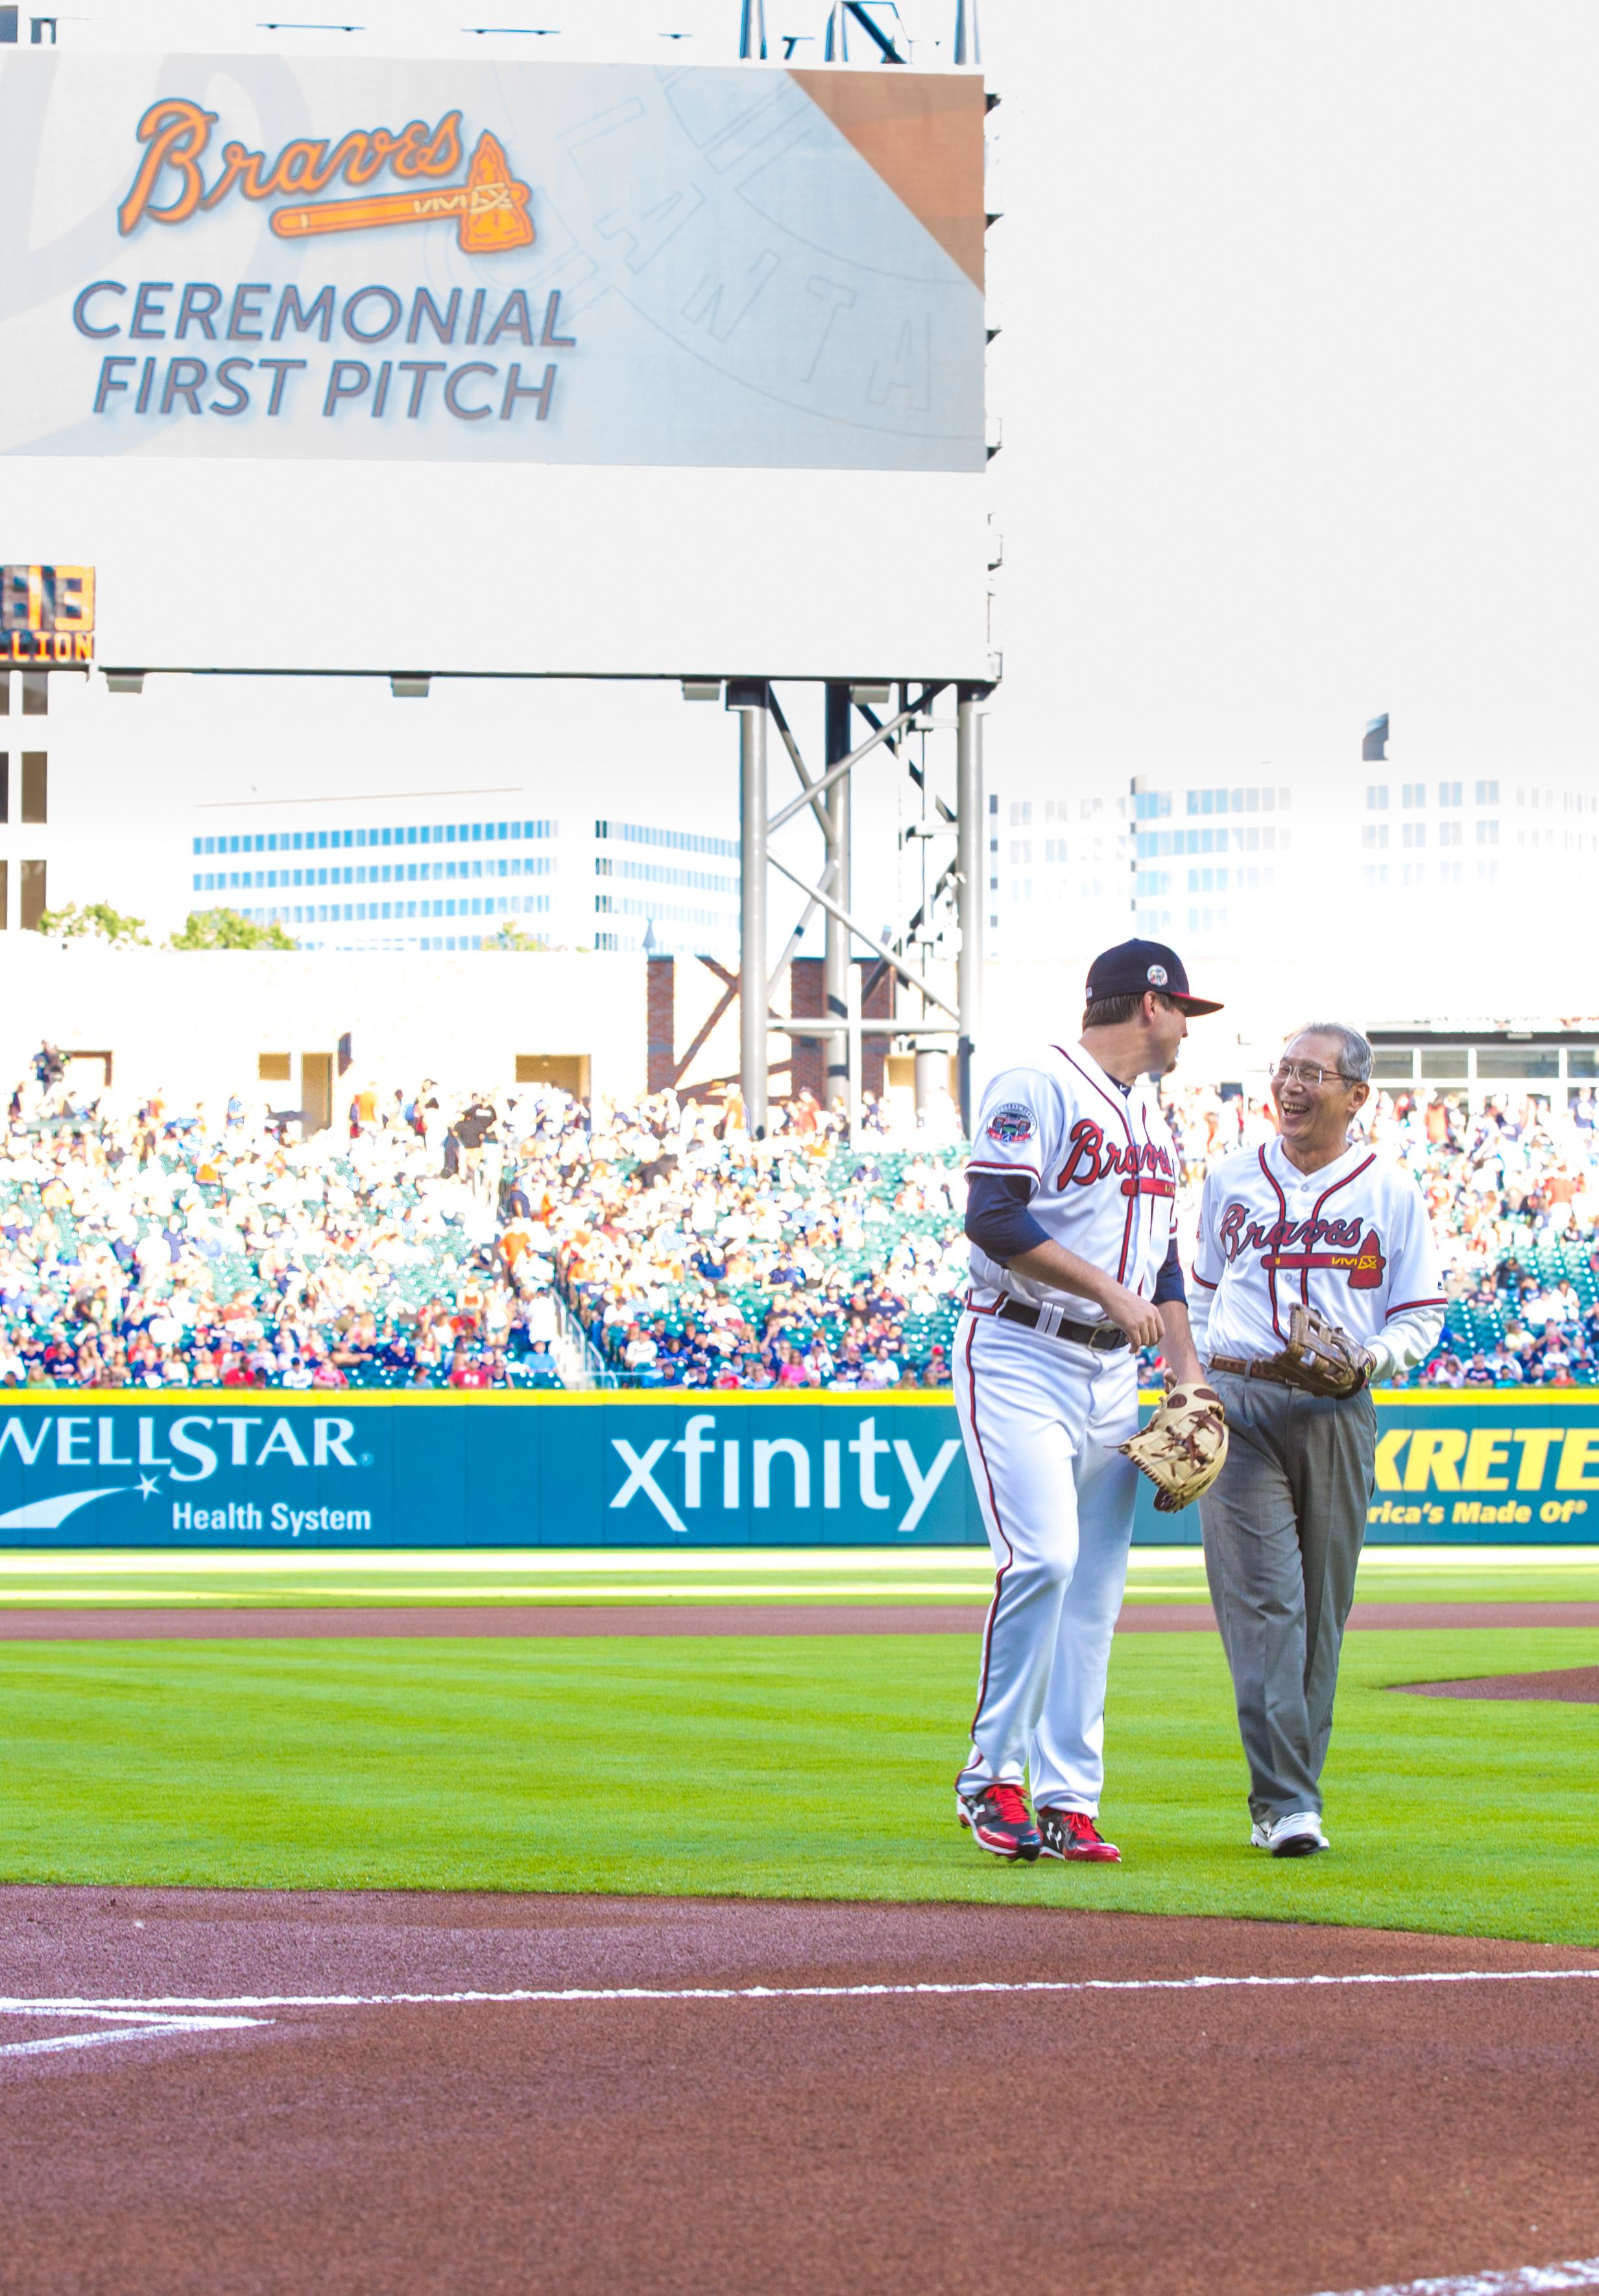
(1307, 1072)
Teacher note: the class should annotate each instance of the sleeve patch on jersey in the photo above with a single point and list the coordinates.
(1012, 1123)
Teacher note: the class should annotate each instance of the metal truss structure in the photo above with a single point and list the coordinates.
(934, 956)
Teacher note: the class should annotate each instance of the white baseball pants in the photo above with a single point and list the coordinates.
(1040, 1418)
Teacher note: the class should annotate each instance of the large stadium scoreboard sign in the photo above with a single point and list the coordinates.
(244, 257)
(47, 616)
(500, 369)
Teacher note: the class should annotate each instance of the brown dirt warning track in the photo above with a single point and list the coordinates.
(643, 2121)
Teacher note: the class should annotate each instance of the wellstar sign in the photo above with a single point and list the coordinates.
(184, 1447)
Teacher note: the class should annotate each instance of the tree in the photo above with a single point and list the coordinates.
(95, 921)
(512, 936)
(227, 928)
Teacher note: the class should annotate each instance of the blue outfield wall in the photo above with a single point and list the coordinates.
(264, 1469)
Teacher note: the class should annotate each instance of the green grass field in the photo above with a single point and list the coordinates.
(805, 1766)
(174, 1578)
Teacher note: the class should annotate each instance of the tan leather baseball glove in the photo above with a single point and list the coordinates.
(1321, 1356)
(1184, 1448)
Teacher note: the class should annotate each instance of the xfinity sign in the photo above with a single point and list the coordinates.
(884, 1476)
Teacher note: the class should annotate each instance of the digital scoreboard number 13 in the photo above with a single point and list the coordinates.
(47, 615)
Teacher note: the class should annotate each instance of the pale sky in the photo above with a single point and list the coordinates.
(1297, 377)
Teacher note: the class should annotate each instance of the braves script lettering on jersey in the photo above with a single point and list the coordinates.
(1104, 1171)
(1041, 1414)
(1352, 1239)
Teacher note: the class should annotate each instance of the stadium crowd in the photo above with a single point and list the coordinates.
(436, 1239)
(432, 1239)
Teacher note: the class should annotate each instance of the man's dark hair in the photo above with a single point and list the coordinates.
(1110, 1012)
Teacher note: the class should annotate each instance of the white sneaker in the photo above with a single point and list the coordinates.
(1298, 1835)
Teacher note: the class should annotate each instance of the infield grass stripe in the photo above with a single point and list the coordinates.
(319, 1578)
(456, 1562)
(601, 1561)
(464, 1598)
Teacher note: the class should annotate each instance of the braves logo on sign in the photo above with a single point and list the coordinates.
(1010, 1124)
(490, 207)
(1344, 1246)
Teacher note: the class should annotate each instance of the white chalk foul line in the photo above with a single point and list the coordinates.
(132, 2023)
(1582, 2272)
(249, 2001)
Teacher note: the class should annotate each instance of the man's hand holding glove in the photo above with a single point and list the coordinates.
(1321, 1358)
(1184, 1448)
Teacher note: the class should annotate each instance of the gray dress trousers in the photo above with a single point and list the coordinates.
(1282, 1527)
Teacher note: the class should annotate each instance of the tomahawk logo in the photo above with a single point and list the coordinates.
(490, 208)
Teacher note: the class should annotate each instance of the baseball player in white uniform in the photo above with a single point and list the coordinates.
(1317, 1220)
(1072, 1190)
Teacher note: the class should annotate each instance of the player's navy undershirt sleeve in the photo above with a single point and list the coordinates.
(997, 1220)
(1169, 1283)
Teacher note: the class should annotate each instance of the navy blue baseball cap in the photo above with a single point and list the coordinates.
(1133, 966)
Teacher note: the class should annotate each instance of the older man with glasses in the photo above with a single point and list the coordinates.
(1316, 1274)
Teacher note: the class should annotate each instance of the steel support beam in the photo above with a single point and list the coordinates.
(752, 920)
(933, 1076)
(815, 1025)
(818, 805)
(835, 774)
(907, 973)
(852, 1041)
(793, 943)
(972, 888)
(835, 961)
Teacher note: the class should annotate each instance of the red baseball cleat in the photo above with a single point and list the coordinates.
(1000, 1823)
(1072, 1833)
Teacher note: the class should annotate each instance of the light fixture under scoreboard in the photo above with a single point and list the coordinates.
(47, 616)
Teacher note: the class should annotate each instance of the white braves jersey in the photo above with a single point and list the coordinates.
(1352, 1240)
(1103, 1169)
